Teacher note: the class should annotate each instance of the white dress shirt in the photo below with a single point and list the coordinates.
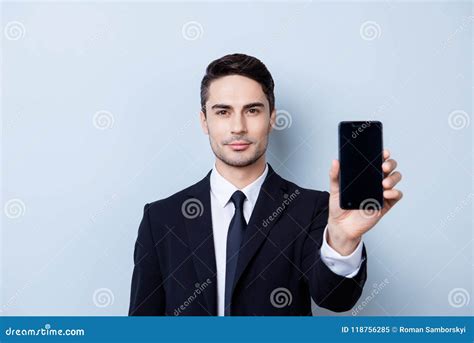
(222, 211)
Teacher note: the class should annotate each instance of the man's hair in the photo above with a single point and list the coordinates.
(238, 64)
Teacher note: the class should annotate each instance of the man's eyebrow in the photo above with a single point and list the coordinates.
(254, 104)
(221, 106)
(250, 105)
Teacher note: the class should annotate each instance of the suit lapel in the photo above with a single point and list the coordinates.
(201, 241)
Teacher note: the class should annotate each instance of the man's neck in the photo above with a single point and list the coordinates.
(241, 176)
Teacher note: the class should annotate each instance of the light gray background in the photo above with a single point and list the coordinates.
(67, 241)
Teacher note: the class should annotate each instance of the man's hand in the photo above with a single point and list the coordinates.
(346, 227)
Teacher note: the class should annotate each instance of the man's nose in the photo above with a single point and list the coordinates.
(238, 123)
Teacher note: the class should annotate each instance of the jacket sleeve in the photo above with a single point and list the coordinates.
(147, 293)
(328, 289)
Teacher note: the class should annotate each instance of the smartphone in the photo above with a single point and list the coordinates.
(361, 158)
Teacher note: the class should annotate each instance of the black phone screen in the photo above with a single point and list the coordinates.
(360, 157)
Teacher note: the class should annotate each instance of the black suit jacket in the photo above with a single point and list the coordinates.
(279, 266)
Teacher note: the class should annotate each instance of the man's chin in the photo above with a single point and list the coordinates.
(237, 162)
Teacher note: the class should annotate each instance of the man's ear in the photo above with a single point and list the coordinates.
(272, 119)
(203, 121)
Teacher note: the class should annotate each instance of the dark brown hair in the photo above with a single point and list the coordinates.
(238, 64)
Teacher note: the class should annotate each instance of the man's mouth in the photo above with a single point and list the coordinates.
(239, 145)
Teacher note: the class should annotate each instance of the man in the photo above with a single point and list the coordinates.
(243, 240)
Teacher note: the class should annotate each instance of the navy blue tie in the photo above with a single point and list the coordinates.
(234, 239)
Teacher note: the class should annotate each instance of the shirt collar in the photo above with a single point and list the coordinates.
(223, 189)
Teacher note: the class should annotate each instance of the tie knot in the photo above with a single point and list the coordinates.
(238, 199)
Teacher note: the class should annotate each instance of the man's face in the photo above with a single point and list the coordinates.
(238, 120)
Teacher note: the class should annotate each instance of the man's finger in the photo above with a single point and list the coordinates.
(393, 194)
(334, 177)
(389, 165)
(391, 180)
(386, 154)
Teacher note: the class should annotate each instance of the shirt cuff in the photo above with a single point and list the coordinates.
(347, 266)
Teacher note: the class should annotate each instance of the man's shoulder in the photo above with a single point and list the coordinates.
(170, 202)
(315, 194)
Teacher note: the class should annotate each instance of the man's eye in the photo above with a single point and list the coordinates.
(253, 110)
(221, 112)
